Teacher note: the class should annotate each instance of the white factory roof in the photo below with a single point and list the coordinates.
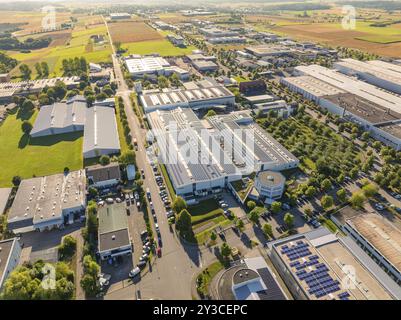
(353, 86)
(179, 131)
(314, 86)
(61, 115)
(375, 69)
(44, 198)
(145, 64)
(100, 129)
(386, 66)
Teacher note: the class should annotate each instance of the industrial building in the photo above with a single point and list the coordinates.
(24, 88)
(114, 237)
(224, 40)
(320, 265)
(101, 133)
(139, 66)
(10, 253)
(203, 63)
(203, 156)
(98, 123)
(60, 117)
(107, 176)
(250, 279)
(120, 16)
(376, 235)
(379, 73)
(44, 203)
(270, 186)
(213, 32)
(201, 94)
(268, 50)
(373, 108)
(176, 40)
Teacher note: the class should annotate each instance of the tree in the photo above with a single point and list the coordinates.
(128, 157)
(357, 199)
(327, 202)
(45, 69)
(162, 82)
(179, 204)
(210, 113)
(67, 249)
(251, 205)
(26, 127)
(16, 181)
(369, 190)
(91, 272)
(104, 160)
(93, 192)
(276, 207)
(342, 195)
(268, 230)
(289, 220)
(225, 250)
(60, 89)
(254, 216)
(27, 106)
(310, 192)
(25, 71)
(213, 236)
(184, 224)
(240, 224)
(326, 184)
(91, 222)
(38, 68)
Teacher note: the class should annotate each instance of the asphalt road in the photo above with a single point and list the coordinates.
(171, 275)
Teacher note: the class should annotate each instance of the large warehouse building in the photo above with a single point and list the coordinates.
(375, 234)
(373, 108)
(203, 156)
(44, 203)
(98, 123)
(320, 265)
(139, 66)
(202, 94)
(382, 74)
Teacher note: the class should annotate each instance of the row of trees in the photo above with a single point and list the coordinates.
(74, 66)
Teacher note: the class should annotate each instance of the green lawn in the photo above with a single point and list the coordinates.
(206, 276)
(26, 157)
(162, 47)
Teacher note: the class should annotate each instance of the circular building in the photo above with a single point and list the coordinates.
(270, 185)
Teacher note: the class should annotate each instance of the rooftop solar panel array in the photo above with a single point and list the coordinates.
(309, 269)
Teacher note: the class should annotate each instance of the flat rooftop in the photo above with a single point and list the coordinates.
(192, 148)
(113, 227)
(393, 128)
(365, 109)
(5, 250)
(315, 86)
(318, 261)
(377, 69)
(44, 198)
(145, 64)
(353, 86)
(381, 234)
(4, 195)
(267, 49)
(194, 92)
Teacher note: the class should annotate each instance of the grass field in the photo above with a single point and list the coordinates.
(163, 47)
(25, 157)
(79, 44)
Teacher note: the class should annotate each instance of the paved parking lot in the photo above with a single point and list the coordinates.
(43, 245)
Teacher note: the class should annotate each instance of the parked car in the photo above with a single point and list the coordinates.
(144, 257)
(109, 200)
(159, 252)
(134, 272)
(136, 195)
(128, 212)
(143, 174)
(141, 264)
(379, 207)
(224, 205)
(286, 206)
(138, 204)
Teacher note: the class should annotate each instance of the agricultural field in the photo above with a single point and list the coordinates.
(26, 157)
(163, 47)
(326, 28)
(140, 38)
(68, 44)
(131, 31)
